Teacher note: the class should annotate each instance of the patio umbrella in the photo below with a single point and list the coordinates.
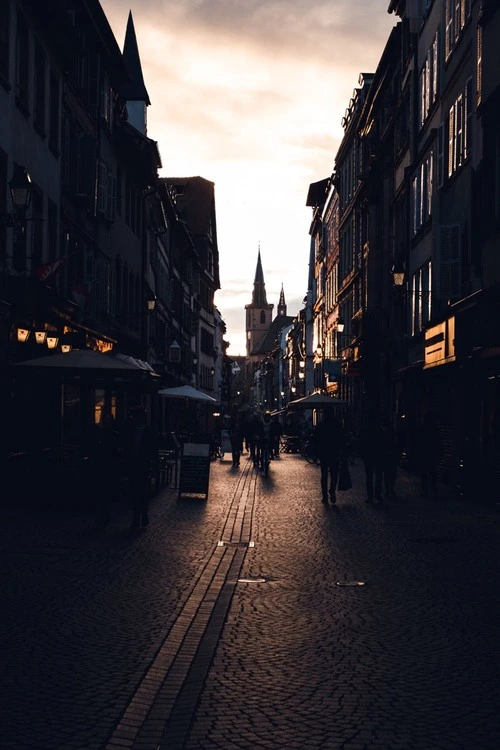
(187, 392)
(87, 360)
(316, 401)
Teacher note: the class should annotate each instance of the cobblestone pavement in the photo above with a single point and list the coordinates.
(223, 624)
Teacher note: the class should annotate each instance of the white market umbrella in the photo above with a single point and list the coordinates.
(186, 391)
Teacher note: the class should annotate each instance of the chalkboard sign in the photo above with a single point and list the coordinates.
(195, 469)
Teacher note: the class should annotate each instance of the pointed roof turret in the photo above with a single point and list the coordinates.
(282, 303)
(135, 89)
(259, 298)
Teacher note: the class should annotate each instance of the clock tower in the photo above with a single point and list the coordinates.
(258, 313)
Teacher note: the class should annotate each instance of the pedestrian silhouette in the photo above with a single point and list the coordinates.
(390, 455)
(236, 439)
(141, 460)
(372, 453)
(329, 445)
(428, 449)
(105, 465)
(276, 432)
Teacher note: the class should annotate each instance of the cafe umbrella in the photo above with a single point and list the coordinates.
(186, 392)
(316, 401)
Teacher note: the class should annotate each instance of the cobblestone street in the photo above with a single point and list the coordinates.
(226, 624)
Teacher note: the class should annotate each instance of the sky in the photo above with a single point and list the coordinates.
(250, 94)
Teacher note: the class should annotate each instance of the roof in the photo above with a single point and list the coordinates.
(316, 195)
(196, 202)
(135, 89)
(270, 339)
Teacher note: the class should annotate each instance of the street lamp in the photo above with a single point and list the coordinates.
(20, 188)
(340, 325)
(398, 275)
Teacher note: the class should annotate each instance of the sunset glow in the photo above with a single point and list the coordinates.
(250, 95)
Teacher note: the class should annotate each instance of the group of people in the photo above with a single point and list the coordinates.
(258, 435)
(129, 454)
(379, 448)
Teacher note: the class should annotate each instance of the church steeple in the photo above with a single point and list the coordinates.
(259, 298)
(134, 90)
(282, 303)
(259, 313)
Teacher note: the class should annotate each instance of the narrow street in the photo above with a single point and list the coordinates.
(239, 621)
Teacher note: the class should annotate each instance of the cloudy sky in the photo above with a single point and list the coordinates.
(250, 95)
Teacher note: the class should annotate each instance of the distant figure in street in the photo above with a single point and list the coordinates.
(254, 438)
(391, 455)
(372, 453)
(276, 432)
(428, 453)
(329, 444)
(105, 461)
(141, 459)
(236, 438)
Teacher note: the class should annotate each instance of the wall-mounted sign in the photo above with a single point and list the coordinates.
(440, 344)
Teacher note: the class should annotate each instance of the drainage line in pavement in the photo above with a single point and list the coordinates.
(163, 705)
(177, 729)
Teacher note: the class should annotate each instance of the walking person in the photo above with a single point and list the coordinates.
(236, 439)
(276, 432)
(254, 439)
(391, 459)
(428, 453)
(371, 451)
(105, 463)
(329, 444)
(141, 459)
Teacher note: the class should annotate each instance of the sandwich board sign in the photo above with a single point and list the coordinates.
(195, 469)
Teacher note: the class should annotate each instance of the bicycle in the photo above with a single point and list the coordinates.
(216, 451)
(307, 450)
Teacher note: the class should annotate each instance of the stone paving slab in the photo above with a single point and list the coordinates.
(408, 661)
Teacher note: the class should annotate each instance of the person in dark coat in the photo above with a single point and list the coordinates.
(372, 453)
(391, 456)
(276, 432)
(428, 452)
(141, 460)
(236, 438)
(105, 463)
(329, 445)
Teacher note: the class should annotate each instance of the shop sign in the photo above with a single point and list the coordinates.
(440, 344)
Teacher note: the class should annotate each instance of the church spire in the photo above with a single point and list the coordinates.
(282, 303)
(134, 90)
(259, 297)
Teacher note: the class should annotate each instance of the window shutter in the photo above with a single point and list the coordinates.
(451, 141)
(440, 156)
(468, 118)
(449, 268)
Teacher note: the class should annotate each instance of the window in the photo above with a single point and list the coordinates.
(3, 203)
(449, 255)
(457, 13)
(52, 230)
(428, 81)
(421, 298)
(39, 88)
(37, 229)
(262, 317)
(22, 62)
(459, 125)
(421, 194)
(4, 39)
(106, 192)
(54, 111)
